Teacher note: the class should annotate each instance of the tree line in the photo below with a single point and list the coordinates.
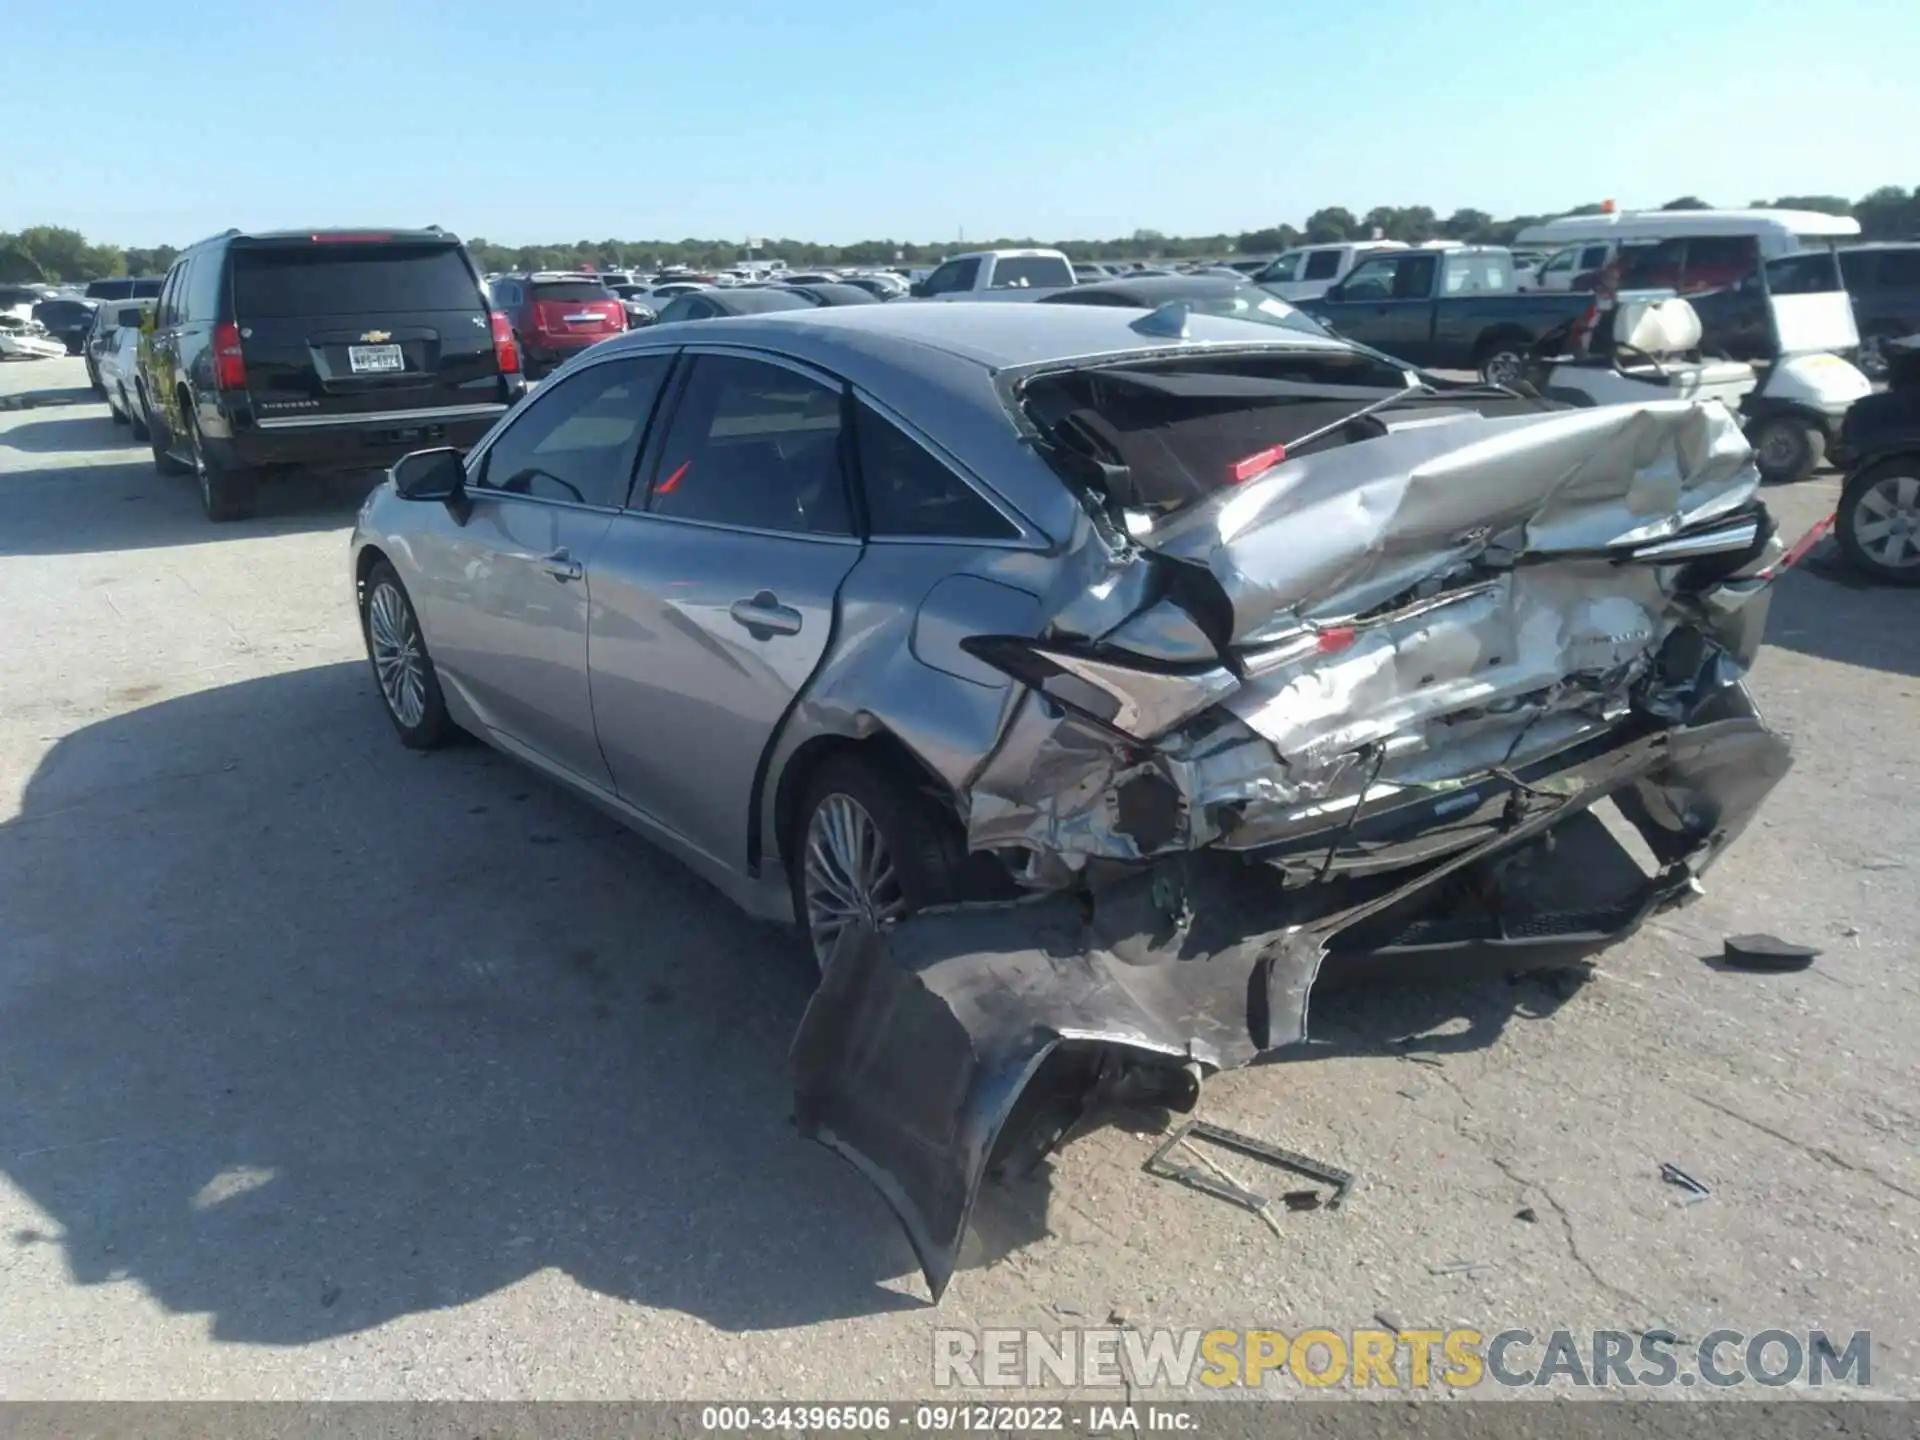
(54, 253)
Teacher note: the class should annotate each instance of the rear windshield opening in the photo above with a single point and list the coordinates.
(1171, 434)
(571, 290)
(343, 279)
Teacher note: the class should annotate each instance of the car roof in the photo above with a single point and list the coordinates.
(856, 340)
(744, 301)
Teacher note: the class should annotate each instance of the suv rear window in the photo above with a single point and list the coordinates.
(335, 279)
(571, 290)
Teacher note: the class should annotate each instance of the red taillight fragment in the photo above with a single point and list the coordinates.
(1334, 639)
(668, 485)
(229, 364)
(506, 354)
(1242, 470)
(1799, 550)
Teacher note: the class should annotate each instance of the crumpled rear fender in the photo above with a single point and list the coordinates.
(922, 1037)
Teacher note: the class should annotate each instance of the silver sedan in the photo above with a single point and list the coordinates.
(1195, 651)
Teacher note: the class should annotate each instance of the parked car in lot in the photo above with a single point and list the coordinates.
(1192, 657)
(996, 275)
(833, 294)
(1448, 309)
(118, 361)
(126, 287)
(742, 300)
(1884, 280)
(1202, 294)
(881, 287)
(555, 316)
(26, 339)
(68, 321)
(318, 350)
(1878, 519)
(1309, 271)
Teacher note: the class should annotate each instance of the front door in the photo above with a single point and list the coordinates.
(1387, 302)
(505, 596)
(715, 595)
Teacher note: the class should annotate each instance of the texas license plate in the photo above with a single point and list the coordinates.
(366, 359)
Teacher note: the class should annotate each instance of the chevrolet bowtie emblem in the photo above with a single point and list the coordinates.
(376, 337)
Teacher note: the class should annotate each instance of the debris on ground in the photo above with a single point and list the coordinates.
(1224, 1186)
(1768, 953)
(1674, 1175)
(1527, 1213)
(1468, 1268)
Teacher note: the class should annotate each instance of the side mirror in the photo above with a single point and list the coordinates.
(433, 475)
(1337, 291)
(918, 289)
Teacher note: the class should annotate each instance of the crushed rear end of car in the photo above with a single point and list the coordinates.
(1427, 679)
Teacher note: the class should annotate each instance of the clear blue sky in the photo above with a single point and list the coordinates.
(841, 121)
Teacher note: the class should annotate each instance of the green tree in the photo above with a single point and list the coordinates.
(1687, 202)
(1473, 226)
(17, 267)
(1335, 223)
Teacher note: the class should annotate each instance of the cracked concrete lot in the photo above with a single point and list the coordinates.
(332, 1070)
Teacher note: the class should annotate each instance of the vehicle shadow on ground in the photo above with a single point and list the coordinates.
(1825, 609)
(304, 1032)
(124, 503)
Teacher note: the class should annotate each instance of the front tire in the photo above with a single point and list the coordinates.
(868, 845)
(1786, 449)
(402, 669)
(136, 418)
(1878, 522)
(158, 439)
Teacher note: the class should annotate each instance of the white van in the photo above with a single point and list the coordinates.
(1707, 247)
(1307, 272)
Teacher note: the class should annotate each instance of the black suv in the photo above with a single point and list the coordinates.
(1884, 280)
(319, 350)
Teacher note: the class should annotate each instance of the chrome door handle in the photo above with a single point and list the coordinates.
(765, 616)
(562, 566)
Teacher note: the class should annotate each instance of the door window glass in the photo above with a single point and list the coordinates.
(754, 445)
(577, 441)
(1372, 279)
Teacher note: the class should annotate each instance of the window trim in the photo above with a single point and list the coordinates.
(677, 382)
(476, 458)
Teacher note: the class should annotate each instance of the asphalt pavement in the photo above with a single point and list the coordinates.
(328, 1069)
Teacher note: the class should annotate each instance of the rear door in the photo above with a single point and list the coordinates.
(572, 310)
(715, 594)
(361, 326)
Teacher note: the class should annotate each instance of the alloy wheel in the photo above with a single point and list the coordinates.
(1778, 448)
(848, 874)
(393, 639)
(1888, 523)
(1505, 367)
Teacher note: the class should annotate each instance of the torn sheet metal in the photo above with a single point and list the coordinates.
(924, 1035)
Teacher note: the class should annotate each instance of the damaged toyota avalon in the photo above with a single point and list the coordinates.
(1080, 681)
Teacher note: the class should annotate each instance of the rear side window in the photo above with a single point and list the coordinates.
(755, 445)
(571, 290)
(910, 491)
(203, 288)
(1024, 272)
(579, 440)
(302, 281)
(1322, 265)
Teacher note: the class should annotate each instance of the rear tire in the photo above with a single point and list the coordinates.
(93, 380)
(1786, 449)
(118, 412)
(1502, 360)
(402, 670)
(225, 494)
(1878, 522)
(867, 843)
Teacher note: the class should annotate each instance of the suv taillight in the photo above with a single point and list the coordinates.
(505, 353)
(229, 365)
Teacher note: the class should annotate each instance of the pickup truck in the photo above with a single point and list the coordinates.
(997, 275)
(1445, 309)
